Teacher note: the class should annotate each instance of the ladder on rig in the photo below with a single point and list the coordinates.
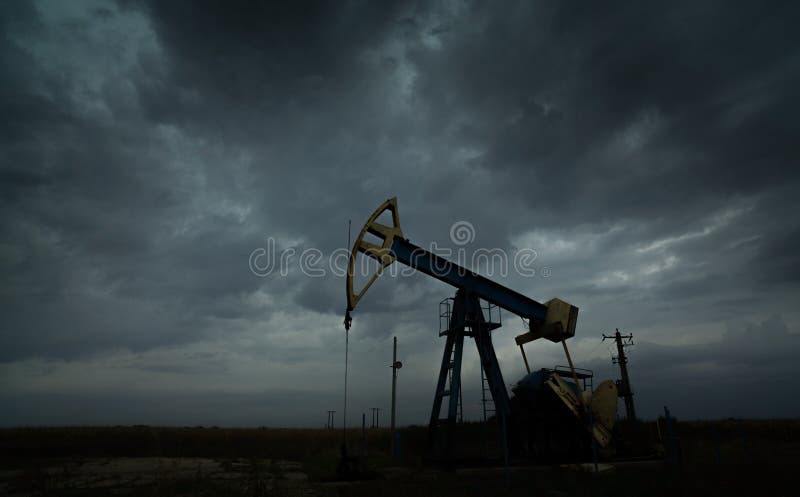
(449, 384)
(487, 403)
(459, 318)
(449, 391)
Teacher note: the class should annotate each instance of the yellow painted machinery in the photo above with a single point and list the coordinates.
(555, 320)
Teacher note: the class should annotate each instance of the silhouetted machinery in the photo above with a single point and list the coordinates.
(549, 405)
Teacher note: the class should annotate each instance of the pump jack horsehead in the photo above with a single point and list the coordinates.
(554, 320)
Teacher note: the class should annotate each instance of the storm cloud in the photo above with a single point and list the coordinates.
(647, 153)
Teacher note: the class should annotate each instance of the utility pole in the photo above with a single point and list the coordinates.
(376, 417)
(329, 423)
(624, 384)
(395, 366)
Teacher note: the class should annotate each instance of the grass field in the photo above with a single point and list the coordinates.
(731, 457)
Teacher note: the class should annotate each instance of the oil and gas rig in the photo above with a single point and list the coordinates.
(554, 412)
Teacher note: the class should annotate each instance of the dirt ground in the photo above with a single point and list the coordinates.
(191, 476)
(154, 476)
(727, 458)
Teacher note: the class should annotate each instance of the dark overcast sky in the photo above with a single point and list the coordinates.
(648, 153)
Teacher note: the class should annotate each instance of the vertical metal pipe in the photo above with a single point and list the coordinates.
(505, 447)
(346, 352)
(574, 375)
(594, 442)
(363, 435)
(344, 414)
(525, 358)
(394, 392)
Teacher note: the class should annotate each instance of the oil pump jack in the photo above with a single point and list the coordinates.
(553, 320)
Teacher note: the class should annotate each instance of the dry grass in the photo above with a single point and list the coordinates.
(729, 457)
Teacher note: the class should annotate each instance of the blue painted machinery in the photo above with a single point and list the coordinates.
(554, 320)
